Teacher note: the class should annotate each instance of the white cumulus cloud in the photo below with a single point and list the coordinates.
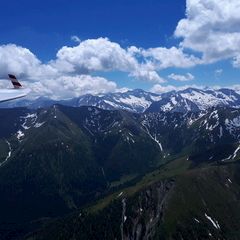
(66, 86)
(94, 55)
(236, 61)
(181, 78)
(163, 58)
(22, 62)
(211, 27)
(47, 79)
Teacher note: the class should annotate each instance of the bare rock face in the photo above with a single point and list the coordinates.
(142, 214)
(137, 217)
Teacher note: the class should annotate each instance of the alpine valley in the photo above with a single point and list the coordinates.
(133, 165)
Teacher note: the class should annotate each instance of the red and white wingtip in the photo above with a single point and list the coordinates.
(15, 82)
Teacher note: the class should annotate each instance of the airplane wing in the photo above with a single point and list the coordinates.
(17, 92)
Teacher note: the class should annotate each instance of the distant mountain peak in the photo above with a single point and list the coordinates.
(138, 100)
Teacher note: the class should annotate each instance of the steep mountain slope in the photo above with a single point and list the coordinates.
(203, 136)
(191, 204)
(62, 158)
(120, 143)
(51, 166)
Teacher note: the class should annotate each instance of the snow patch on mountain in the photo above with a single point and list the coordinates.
(205, 99)
(192, 99)
(38, 125)
(135, 101)
(233, 123)
(20, 135)
(214, 222)
(193, 118)
(28, 119)
(235, 152)
(9, 154)
(154, 138)
(232, 126)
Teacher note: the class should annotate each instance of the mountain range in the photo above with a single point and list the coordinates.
(65, 171)
(139, 101)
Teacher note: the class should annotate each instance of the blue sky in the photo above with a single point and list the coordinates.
(45, 27)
